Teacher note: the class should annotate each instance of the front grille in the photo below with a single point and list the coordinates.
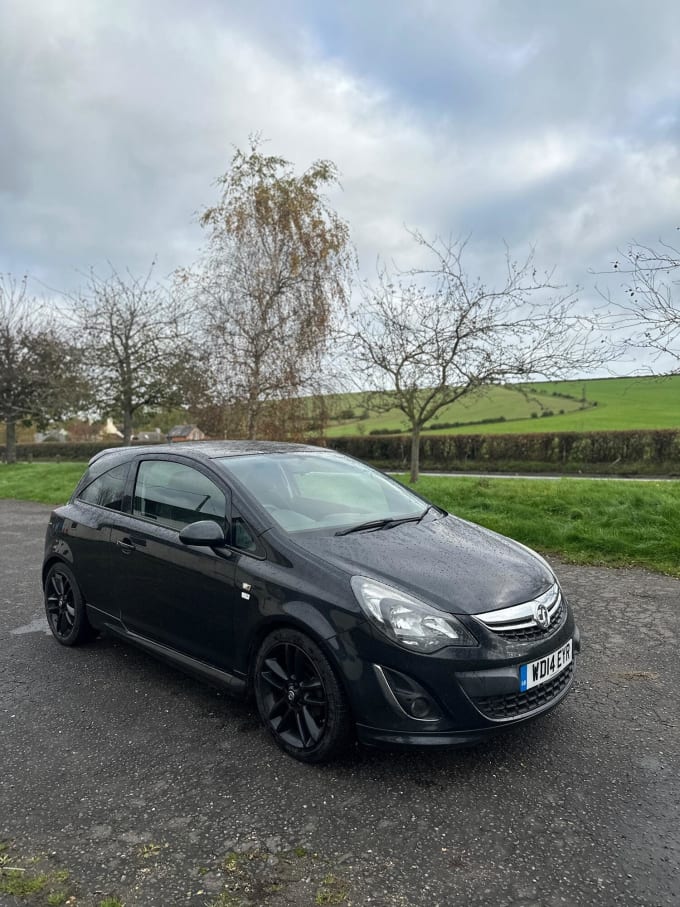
(516, 704)
(519, 623)
(528, 633)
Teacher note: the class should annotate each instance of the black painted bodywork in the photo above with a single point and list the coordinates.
(188, 605)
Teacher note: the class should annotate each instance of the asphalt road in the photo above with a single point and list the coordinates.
(146, 785)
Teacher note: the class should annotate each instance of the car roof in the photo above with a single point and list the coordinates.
(209, 449)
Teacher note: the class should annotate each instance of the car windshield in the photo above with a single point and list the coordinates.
(308, 491)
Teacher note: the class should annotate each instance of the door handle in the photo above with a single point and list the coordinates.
(125, 546)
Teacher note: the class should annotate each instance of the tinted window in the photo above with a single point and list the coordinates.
(175, 495)
(242, 536)
(108, 489)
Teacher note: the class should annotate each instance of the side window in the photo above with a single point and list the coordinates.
(175, 495)
(242, 536)
(107, 490)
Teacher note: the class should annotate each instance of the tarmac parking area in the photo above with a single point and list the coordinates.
(144, 784)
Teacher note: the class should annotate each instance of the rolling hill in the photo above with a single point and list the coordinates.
(598, 404)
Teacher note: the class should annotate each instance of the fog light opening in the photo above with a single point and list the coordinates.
(407, 696)
(420, 708)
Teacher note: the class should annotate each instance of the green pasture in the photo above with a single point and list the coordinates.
(614, 523)
(599, 404)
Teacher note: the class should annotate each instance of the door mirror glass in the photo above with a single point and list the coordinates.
(203, 532)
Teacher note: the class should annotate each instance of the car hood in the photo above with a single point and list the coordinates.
(457, 566)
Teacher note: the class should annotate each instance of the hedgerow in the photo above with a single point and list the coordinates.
(609, 451)
(612, 452)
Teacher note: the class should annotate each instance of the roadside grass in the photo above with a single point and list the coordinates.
(251, 876)
(612, 523)
(34, 880)
(617, 524)
(46, 483)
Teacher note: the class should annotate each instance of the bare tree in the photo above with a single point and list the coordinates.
(136, 341)
(40, 377)
(649, 316)
(432, 336)
(275, 270)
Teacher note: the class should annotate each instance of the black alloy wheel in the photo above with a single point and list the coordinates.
(65, 607)
(300, 699)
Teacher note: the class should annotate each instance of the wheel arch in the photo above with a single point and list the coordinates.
(50, 562)
(296, 616)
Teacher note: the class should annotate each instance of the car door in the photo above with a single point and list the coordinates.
(172, 593)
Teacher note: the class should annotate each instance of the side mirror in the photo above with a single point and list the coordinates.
(205, 532)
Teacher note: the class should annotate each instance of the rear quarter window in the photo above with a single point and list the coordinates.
(108, 489)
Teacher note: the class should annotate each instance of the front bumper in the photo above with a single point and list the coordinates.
(372, 736)
(473, 693)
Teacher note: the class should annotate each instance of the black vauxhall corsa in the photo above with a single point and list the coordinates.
(348, 604)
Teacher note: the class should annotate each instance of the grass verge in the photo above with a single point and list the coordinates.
(46, 483)
(612, 523)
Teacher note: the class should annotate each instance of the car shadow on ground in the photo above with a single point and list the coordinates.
(231, 715)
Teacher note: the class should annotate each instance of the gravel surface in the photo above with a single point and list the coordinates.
(146, 785)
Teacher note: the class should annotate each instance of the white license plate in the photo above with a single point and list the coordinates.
(544, 669)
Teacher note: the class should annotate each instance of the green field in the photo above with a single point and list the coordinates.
(596, 404)
(600, 404)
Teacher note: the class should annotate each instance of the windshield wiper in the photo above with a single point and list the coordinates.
(425, 513)
(386, 523)
(370, 524)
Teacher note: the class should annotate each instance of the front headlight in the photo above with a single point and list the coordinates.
(408, 621)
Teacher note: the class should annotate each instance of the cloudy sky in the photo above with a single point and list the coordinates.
(547, 124)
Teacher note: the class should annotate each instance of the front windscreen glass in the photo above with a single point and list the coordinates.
(308, 491)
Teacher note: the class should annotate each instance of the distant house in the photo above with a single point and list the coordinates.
(110, 431)
(59, 435)
(149, 437)
(185, 433)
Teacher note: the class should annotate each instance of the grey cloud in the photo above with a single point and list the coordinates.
(547, 123)
(513, 62)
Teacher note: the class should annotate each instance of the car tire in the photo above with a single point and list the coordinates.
(300, 698)
(65, 607)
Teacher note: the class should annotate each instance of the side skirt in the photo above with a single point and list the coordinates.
(236, 685)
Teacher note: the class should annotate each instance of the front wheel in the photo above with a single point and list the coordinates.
(300, 699)
(65, 607)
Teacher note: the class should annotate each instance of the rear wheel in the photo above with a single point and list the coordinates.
(65, 607)
(300, 699)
